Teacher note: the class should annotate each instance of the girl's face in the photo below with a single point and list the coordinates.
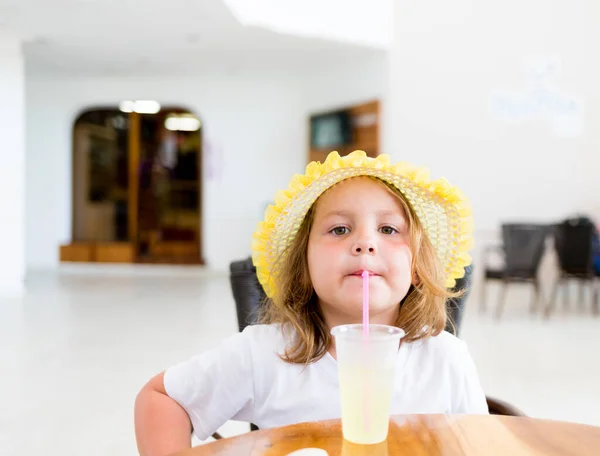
(359, 224)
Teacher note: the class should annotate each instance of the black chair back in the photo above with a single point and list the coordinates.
(247, 292)
(573, 241)
(523, 249)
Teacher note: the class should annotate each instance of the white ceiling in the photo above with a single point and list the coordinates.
(122, 37)
(362, 22)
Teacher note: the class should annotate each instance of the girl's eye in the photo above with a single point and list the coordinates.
(388, 230)
(339, 230)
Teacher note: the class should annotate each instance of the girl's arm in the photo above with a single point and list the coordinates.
(162, 426)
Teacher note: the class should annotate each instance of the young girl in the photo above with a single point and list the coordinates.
(345, 216)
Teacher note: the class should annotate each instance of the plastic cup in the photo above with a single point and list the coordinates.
(366, 378)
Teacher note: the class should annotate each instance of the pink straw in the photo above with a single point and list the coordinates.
(365, 277)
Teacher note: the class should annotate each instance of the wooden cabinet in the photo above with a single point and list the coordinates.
(115, 252)
(77, 252)
(98, 252)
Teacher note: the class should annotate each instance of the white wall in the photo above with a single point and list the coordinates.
(257, 123)
(447, 61)
(341, 86)
(12, 170)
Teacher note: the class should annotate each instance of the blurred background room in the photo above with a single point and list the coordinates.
(142, 140)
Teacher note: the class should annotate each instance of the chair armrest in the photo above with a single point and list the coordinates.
(498, 407)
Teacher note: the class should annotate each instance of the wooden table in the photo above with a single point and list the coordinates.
(417, 435)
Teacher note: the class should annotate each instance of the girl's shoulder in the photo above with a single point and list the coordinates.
(272, 336)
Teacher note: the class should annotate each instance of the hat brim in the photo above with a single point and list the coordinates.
(442, 209)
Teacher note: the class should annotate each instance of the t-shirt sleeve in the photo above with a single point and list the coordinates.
(469, 397)
(215, 386)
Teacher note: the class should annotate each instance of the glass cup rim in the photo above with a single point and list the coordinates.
(376, 331)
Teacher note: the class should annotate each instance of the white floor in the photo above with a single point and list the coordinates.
(77, 348)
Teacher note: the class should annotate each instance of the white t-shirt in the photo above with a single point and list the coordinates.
(245, 380)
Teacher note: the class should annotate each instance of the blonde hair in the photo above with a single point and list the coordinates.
(422, 312)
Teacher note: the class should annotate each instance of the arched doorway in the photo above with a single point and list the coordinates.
(137, 190)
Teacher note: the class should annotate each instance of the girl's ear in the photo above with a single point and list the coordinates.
(415, 279)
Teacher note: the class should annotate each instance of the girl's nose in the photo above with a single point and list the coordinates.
(363, 247)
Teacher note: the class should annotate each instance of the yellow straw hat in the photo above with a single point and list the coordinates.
(442, 209)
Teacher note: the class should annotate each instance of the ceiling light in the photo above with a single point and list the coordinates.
(140, 106)
(182, 122)
(126, 106)
(146, 107)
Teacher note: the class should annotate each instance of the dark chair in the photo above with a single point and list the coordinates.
(249, 296)
(247, 292)
(573, 241)
(522, 249)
